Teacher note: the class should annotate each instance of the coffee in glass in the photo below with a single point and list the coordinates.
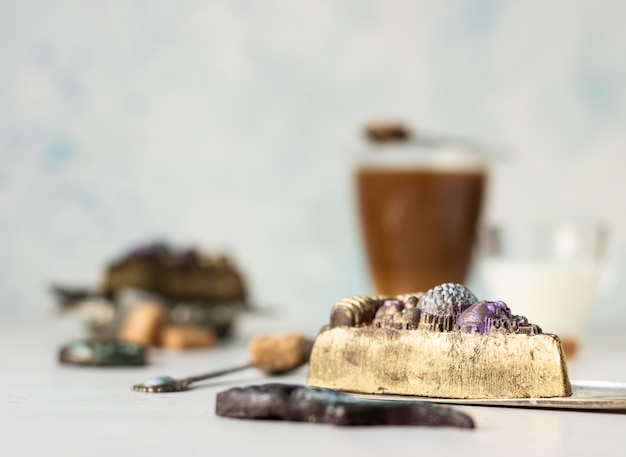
(419, 202)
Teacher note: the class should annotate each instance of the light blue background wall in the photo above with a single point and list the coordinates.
(234, 124)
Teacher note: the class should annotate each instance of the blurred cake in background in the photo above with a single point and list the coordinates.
(186, 275)
(194, 288)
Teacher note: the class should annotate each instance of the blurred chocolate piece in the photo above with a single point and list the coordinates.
(68, 297)
(305, 404)
(176, 275)
(102, 353)
(143, 324)
(279, 353)
(387, 131)
(187, 337)
(193, 287)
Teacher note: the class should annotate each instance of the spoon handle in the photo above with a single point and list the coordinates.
(215, 374)
(271, 354)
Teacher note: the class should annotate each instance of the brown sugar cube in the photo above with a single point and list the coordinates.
(187, 337)
(279, 353)
(143, 324)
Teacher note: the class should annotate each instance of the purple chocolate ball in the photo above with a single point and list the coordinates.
(485, 317)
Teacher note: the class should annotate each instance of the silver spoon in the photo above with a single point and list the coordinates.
(273, 354)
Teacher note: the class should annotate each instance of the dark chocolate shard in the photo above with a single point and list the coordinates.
(305, 404)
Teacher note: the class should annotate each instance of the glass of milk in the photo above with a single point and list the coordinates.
(546, 272)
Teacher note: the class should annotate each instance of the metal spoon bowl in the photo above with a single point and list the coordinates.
(164, 384)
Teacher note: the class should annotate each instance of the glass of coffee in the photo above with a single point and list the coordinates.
(419, 202)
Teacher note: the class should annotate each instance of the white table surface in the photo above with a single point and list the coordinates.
(49, 409)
